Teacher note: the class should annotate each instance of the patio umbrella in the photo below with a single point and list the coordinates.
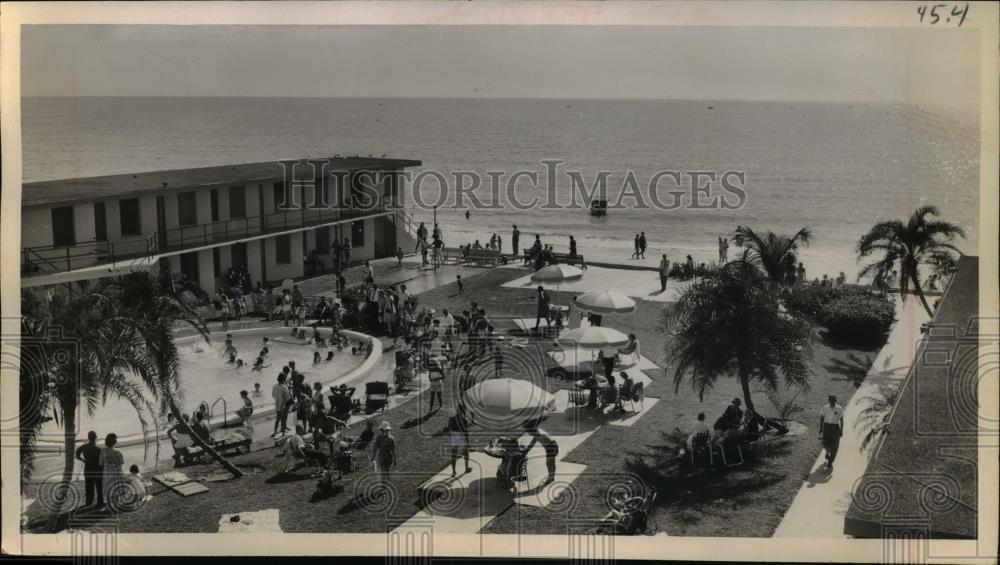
(593, 338)
(605, 302)
(558, 274)
(508, 402)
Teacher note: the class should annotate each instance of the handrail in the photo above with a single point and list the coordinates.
(211, 411)
(63, 258)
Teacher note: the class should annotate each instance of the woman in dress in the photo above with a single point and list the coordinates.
(111, 461)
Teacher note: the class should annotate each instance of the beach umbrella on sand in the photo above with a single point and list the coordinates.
(557, 274)
(605, 302)
(508, 402)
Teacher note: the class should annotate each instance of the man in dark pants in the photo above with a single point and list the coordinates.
(514, 237)
(831, 427)
(543, 307)
(551, 450)
(90, 454)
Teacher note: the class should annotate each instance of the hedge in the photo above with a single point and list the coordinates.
(851, 315)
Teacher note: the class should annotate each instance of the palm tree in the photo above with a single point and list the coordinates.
(777, 255)
(728, 324)
(873, 419)
(921, 241)
(158, 305)
(84, 350)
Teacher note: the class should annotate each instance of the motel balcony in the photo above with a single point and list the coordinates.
(147, 249)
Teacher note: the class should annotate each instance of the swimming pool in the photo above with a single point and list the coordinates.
(206, 376)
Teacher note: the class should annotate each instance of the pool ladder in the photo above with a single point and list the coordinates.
(211, 412)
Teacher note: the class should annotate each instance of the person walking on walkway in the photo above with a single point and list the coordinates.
(642, 245)
(831, 427)
(515, 236)
(384, 452)
(421, 236)
(543, 306)
(664, 272)
(635, 247)
(281, 396)
(90, 455)
(458, 430)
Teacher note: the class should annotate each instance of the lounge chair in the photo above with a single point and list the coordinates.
(376, 396)
(638, 394)
(701, 445)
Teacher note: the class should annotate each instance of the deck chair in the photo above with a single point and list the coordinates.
(722, 447)
(376, 396)
(701, 445)
(638, 394)
(310, 463)
(577, 397)
(340, 408)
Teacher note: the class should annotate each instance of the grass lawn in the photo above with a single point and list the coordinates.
(742, 501)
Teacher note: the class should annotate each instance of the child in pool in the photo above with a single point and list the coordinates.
(318, 339)
(257, 392)
(295, 332)
(259, 363)
(240, 363)
(265, 352)
(301, 334)
(317, 357)
(232, 357)
(329, 355)
(230, 350)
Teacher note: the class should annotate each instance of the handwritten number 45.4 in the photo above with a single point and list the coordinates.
(939, 12)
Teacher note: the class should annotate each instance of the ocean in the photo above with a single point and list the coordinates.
(835, 167)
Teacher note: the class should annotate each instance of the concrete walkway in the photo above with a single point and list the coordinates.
(819, 509)
(637, 284)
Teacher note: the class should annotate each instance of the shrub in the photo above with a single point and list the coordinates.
(851, 315)
(859, 318)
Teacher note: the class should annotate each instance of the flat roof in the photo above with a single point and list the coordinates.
(923, 474)
(71, 190)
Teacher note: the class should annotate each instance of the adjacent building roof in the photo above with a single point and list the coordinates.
(71, 190)
(922, 477)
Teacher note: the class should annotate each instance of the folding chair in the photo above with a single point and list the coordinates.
(638, 394)
(625, 393)
(722, 451)
(702, 444)
(376, 396)
(577, 397)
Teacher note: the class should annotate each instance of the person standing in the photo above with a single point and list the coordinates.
(458, 432)
(90, 454)
(384, 452)
(635, 247)
(282, 397)
(831, 427)
(436, 234)
(111, 461)
(421, 236)
(347, 251)
(543, 306)
(341, 283)
(515, 237)
(551, 450)
(800, 274)
(664, 272)
(642, 245)
(724, 251)
(572, 247)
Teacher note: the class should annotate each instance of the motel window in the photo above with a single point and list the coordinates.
(187, 209)
(283, 249)
(323, 240)
(100, 222)
(63, 232)
(279, 195)
(128, 213)
(237, 202)
(358, 233)
(214, 198)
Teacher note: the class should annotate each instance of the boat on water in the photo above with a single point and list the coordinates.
(598, 207)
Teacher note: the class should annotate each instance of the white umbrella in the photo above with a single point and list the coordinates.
(558, 274)
(593, 338)
(605, 302)
(512, 401)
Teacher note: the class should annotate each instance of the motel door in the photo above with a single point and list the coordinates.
(239, 256)
(161, 222)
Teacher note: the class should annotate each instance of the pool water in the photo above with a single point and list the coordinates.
(206, 376)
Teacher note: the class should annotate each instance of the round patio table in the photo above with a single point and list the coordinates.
(583, 383)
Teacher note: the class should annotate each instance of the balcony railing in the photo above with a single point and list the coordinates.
(54, 259)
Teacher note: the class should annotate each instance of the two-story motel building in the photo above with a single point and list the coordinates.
(202, 221)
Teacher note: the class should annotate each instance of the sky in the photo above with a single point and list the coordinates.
(932, 66)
